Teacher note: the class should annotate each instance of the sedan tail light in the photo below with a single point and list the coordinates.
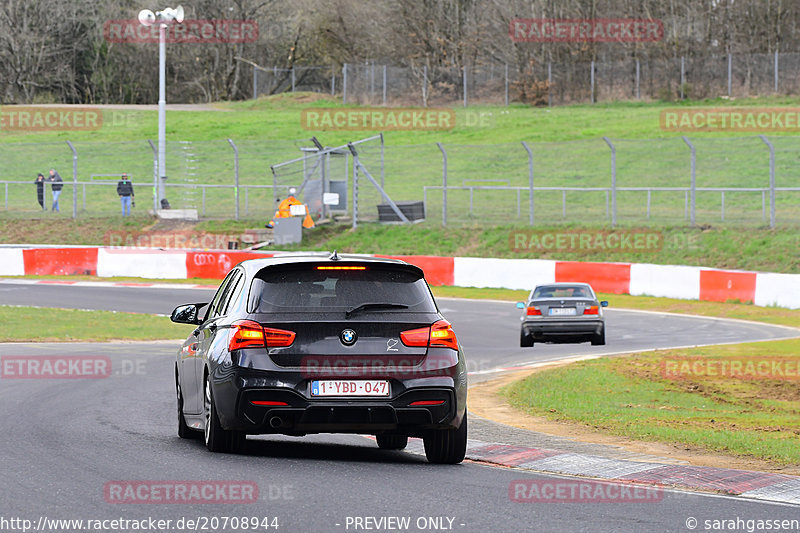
(591, 310)
(439, 334)
(250, 334)
(533, 311)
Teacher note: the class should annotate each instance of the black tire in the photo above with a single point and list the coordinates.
(389, 441)
(525, 341)
(184, 431)
(599, 340)
(447, 446)
(218, 439)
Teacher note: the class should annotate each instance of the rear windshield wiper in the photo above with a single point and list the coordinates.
(364, 307)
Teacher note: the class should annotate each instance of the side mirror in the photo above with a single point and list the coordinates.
(187, 314)
(520, 305)
(604, 303)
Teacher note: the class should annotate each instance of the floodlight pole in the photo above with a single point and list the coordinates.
(162, 111)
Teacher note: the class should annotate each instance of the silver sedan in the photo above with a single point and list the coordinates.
(562, 312)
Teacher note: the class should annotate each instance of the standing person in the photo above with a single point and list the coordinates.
(125, 192)
(40, 190)
(56, 185)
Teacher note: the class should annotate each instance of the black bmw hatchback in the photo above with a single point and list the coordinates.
(301, 344)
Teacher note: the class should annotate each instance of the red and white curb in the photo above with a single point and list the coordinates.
(745, 483)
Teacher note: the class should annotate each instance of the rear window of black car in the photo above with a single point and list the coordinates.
(308, 289)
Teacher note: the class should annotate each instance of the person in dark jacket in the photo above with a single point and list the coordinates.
(56, 185)
(125, 192)
(40, 190)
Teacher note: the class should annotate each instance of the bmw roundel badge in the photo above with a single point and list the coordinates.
(348, 337)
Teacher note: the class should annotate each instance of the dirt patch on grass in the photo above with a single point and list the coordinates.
(485, 401)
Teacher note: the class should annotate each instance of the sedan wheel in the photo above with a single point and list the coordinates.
(447, 446)
(184, 431)
(218, 439)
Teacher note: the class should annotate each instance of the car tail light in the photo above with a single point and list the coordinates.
(591, 310)
(439, 334)
(442, 334)
(426, 402)
(533, 311)
(268, 403)
(278, 338)
(250, 334)
(416, 337)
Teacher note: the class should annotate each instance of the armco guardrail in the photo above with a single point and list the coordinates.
(671, 281)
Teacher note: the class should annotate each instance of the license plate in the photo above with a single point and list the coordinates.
(562, 311)
(341, 387)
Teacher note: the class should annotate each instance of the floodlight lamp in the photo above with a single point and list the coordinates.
(147, 17)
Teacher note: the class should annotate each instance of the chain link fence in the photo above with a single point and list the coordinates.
(739, 75)
(602, 181)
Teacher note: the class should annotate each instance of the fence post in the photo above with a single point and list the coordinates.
(444, 183)
(693, 184)
(722, 204)
(775, 68)
(683, 74)
(530, 181)
(333, 81)
(771, 180)
(638, 82)
(155, 176)
(7, 197)
(355, 189)
(344, 83)
(384, 85)
(235, 176)
(613, 181)
(506, 83)
(730, 72)
(592, 81)
(465, 86)
(74, 180)
(425, 86)
(255, 82)
(549, 84)
(383, 167)
(292, 78)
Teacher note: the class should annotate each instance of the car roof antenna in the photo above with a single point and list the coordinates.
(335, 256)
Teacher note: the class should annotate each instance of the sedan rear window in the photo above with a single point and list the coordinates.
(561, 291)
(313, 290)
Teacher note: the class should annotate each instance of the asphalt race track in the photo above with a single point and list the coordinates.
(65, 441)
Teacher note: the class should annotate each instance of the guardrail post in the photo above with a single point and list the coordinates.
(693, 184)
(530, 181)
(613, 181)
(771, 180)
(444, 183)
(74, 180)
(235, 176)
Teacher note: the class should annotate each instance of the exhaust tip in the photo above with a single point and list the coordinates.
(275, 422)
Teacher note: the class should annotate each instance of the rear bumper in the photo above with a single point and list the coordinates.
(235, 389)
(346, 416)
(562, 328)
